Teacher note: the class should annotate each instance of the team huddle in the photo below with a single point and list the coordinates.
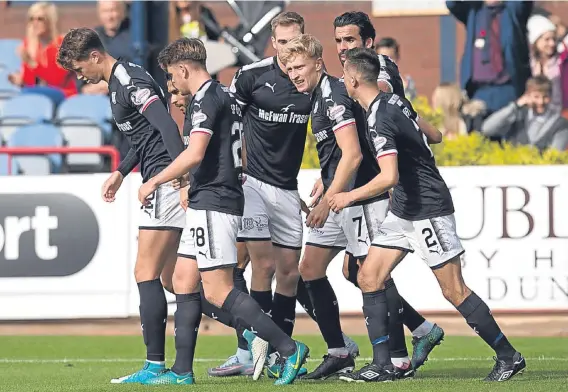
(225, 194)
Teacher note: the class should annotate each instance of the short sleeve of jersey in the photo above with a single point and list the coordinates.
(138, 94)
(339, 108)
(383, 137)
(242, 87)
(204, 114)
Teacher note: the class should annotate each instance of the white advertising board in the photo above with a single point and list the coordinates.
(63, 251)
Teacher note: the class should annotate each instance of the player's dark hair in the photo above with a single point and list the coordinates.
(287, 18)
(366, 63)
(388, 42)
(183, 50)
(359, 19)
(77, 45)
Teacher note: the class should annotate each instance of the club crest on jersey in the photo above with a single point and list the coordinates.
(140, 96)
(198, 117)
(316, 107)
(113, 98)
(336, 112)
(378, 141)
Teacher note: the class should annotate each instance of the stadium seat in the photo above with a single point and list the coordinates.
(7, 89)
(37, 135)
(84, 122)
(54, 94)
(9, 60)
(93, 108)
(4, 158)
(22, 110)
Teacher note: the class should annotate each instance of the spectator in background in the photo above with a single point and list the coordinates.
(546, 60)
(531, 119)
(460, 116)
(39, 52)
(495, 62)
(114, 31)
(189, 17)
(388, 46)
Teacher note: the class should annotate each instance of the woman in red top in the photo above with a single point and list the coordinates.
(39, 52)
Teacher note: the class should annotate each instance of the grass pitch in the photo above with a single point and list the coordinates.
(60, 363)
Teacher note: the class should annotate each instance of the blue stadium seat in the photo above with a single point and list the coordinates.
(7, 89)
(9, 59)
(38, 135)
(4, 166)
(84, 122)
(22, 110)
(87, 108)
(56, 95)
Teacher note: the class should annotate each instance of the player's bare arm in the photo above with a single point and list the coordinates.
(348, 143)
(385, 180)
(432, 133)
(188, 159)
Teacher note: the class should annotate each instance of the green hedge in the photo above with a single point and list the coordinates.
(470, 150)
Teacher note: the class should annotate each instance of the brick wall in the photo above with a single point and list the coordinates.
(418, 36)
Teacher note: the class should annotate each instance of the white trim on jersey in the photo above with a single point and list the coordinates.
(392, 151)
(240, 102)
(122, 75)
(148, 102)
(258, 64)
(202, 130)
(342, 124)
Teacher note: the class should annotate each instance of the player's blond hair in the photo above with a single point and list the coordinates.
(304, 44)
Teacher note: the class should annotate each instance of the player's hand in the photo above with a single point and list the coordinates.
(146, 190)
(184, 197)
(318, 216)
(340, 201)
(317, 192)
(181, 182)
(111, 186)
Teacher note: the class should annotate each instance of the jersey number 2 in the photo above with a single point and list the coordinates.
(237, 145)
(430, 242)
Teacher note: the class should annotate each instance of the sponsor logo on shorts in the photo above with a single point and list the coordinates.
(51, 234)
(258, 223)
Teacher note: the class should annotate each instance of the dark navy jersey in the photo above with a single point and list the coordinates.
(421, 193)
(217, 181)
(132, 92)
(333, 109)
(275, 122)
(391, 75)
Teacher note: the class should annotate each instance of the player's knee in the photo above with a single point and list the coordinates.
(369, 281)
(264, 268)
(311, 271)
(288, 277)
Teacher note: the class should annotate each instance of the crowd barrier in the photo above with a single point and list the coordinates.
(64, 253)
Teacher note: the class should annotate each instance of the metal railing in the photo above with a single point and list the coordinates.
(103, 150)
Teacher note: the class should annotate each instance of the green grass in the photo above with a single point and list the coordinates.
(30, 364)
